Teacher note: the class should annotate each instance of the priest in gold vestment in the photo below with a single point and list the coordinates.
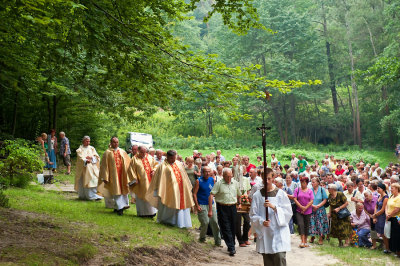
(114, 177)
(170, 192)
(140, 171)
(87, 171)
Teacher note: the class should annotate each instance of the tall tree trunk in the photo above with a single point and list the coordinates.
(14, 122)
(285, 119)
(278, 121)
(210, 123)
(384, 92)
(371, 39)
(264, 64)
(332, 82)
(278, 118)
(48, 114)
(55, 102)
(292, 108)
(356, 116)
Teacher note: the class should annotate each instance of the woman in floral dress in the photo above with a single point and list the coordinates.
(319, 221)
(340, 228)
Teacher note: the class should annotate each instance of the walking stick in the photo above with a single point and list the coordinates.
(263, 129)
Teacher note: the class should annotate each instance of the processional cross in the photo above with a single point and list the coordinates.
(263, 129)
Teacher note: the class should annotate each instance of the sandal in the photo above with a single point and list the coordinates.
(301, 245)
(306, 245)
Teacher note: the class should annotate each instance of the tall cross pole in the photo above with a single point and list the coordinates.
(263, 129)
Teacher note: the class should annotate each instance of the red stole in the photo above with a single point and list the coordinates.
(118, 165)
(178, 176)
(147, 168)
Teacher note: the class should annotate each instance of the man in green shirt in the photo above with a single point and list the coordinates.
(227, 194)
(301, 164)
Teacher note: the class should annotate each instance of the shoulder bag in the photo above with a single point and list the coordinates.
(344, 213)
(327, 204)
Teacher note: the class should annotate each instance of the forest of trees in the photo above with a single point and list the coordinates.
(94, 67)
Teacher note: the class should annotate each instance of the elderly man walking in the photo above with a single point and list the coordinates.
(170, 191)
(140, 171)
(87, 171)
(113, 173)
(227, 194)
(65, 152)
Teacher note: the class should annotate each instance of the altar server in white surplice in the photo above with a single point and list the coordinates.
(87, 171)
(273, 235)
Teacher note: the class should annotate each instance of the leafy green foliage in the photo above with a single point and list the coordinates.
(4, 201)
(19, 161)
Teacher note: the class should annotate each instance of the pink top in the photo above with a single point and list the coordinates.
(362, 222)
(304, 198)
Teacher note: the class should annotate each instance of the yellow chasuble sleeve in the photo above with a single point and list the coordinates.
(140, 172)
(166, 184)
(109, 173)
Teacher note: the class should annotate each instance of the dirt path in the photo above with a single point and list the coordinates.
(246, 255)
(249, 256)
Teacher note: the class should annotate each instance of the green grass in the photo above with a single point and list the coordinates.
(356, 256)
(97, 219)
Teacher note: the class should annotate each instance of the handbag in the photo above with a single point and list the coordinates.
(386, 230)
(294, 206)
(343, 213)
(327, 204)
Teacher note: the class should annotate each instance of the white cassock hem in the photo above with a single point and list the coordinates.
(117, 202)
(143, 208)
(87, 193)
(178, 218)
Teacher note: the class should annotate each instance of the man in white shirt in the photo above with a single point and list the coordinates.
(273, 159)
(256, 182)
(293, 162)
(353, 196)
(221, 157)
(159, 158)
(211, 163)
(360, 187)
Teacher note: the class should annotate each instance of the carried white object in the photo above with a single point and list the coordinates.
(135, 138)
(40, 178)
(386, 230)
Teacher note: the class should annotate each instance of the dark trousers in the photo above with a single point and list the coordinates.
(276, 259)
(226, 221)
(303, 222)
(242, 237)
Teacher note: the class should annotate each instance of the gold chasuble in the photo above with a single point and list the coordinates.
(173, 187)
(139, 171)
(89, 172)
(113, 169)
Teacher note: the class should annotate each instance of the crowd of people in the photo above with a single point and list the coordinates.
(357, 204)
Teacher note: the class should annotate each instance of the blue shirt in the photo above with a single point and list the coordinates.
(205, 187)
(62, 146)
(319, 196)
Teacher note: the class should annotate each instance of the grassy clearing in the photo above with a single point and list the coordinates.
(63, 230)
(356, 256)
(63, 207)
